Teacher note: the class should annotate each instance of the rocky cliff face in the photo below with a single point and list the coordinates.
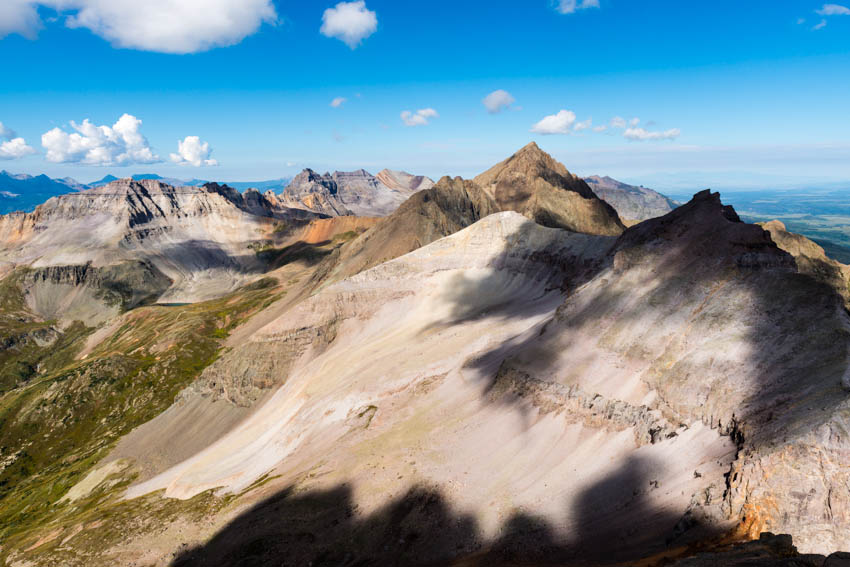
(633, 204)
(197, 237)
(402, 181)
(352, 193)
(811, 258)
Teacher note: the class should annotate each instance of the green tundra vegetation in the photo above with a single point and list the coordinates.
(64, 405)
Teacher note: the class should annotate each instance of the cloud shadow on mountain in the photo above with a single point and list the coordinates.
(615, 523)
(704, 258)
(796, 384)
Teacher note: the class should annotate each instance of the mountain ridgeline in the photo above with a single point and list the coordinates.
(371, 370)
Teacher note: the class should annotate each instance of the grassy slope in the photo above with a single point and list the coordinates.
(65, 414)
(80, 408)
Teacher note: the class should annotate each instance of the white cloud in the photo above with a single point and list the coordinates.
(191, 151)
(497, 101)
(571, 6)
(15, 148)
(583, 125)
(834, 10)
(6, 133)
(622, 123)
(555, 123)
(600, 128)
(641, 135)
(12, 146)
(120, 144)
(19, 16)
(419, 118)
(349, 22)
(820, 25)
(167, 26)
(618, 122)
(338, 101)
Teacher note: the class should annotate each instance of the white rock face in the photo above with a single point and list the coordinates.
(515, 367)
(197, 237)
(410, 393)
(352, 193)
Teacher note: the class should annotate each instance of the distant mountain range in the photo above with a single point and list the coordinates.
(21, 192)
(25, 192)
(337, 193)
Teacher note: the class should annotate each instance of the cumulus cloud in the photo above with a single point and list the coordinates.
(572, 6)
(349, 22)
(560, 123)
(642, 135)
(11, 146)
(167, 26)
(120, 144)
(19, 16)
(191, 151)
(497, 101)
(834, 10)
(600, 128)
(338, 101)
(15, 148)
(583, 125)
(419, 118)
(820, 25)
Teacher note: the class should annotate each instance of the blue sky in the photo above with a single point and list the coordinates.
(738, 94)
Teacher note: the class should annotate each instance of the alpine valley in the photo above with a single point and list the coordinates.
(522, 368)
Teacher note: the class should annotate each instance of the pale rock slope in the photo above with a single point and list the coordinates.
(721, 327)
(633, 204)
(139, 240)
(356, 193)
(411, 390)
(623, 395)
(403, 181)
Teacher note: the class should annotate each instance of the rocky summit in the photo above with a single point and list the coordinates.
(378, 370)
(352, 193)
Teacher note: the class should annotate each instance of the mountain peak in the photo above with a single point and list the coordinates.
(706, 228)
(535, 184)
(531, 162)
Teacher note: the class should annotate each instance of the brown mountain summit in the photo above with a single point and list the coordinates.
(534, 184)
(530, 182)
